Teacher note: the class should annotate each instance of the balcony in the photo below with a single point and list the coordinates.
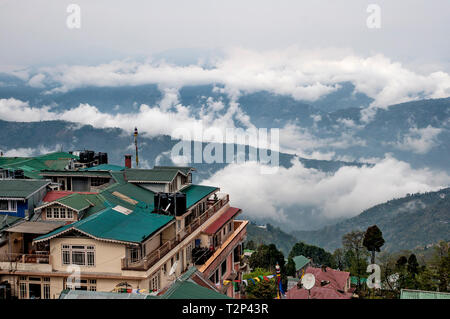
(226, 247)
(149, 260)
(40, 262)
(38, 258)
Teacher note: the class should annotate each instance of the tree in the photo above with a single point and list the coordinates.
(373, 240)
(250, 245)
(318, 255)
(401, 263)
(290, 267)
(266, 257)
(441, 265)
(413, 265)
(353, 243)
(262, 289)
(338, 259)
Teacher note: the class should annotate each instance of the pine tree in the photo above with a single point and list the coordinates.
(373, 240)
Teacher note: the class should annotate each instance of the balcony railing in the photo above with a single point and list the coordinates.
(38, 258)
(151, 259)
(214, 207)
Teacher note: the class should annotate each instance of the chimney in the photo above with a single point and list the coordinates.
(128, 160)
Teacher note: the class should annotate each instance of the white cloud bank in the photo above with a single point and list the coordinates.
(346, 193)
(419, 140)
(304, 75)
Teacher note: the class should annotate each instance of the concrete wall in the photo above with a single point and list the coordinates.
(107, 255)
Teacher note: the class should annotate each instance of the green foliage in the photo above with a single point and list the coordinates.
(270, 235)
(355, 254)
(413, 265)
(262, 290)
(373, 240)
(338, 259)
(290, 267)
(257, 272)
(318, 255)
(408, 222)
(267, 256)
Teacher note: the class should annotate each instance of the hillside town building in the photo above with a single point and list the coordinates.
(66, 216)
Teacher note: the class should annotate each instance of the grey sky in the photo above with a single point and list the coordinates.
(413, 32)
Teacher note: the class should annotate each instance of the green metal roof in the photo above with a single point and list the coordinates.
(184, 288)
(422, 294)
(110, 224)
(76, 201)
(106, 167)
(300, 262)
(85, 294)
(83, 173)
(20, 188)
(184, 169)
(190, 290)
(132, 191)
(150, 175)
(354, 280)
(33, 165)
(195, 193)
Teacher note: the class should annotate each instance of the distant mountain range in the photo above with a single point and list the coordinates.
(406, 223)
(417, 132)
(409, 223)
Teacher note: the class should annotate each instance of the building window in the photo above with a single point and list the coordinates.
(134, 254)
(62, 212)
(83, 284)
(56, 212)
(34, 287)
(78, 255)
(8, 205)
(155, 282)
(59, 213)
(223, 268)
(23, 290)
(229, 227)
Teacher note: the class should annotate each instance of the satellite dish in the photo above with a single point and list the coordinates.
(173, 269)
(308, 281)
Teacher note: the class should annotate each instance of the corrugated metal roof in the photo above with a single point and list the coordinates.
(222, 220)
(184, 169)
(34, 227)
(20, 188)
(422, 294)
(33, 165)
(300, 262)
(104, 174)
(112, 225)
(195, 193)
(190, 290)
(106, 167)
(84, 294)
(150, 175)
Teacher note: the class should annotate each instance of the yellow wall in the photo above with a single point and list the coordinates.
(107, 255)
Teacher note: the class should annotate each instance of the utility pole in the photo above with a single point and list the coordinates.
(136, 145)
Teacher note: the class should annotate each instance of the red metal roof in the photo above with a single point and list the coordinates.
(316, 293)
(337, 281)
(222, 220)
(54, 195)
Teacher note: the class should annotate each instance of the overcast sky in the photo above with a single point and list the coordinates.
(413, 32)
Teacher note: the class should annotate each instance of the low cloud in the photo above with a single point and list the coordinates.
(293, 193)
(419, 140)
(304, 75)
